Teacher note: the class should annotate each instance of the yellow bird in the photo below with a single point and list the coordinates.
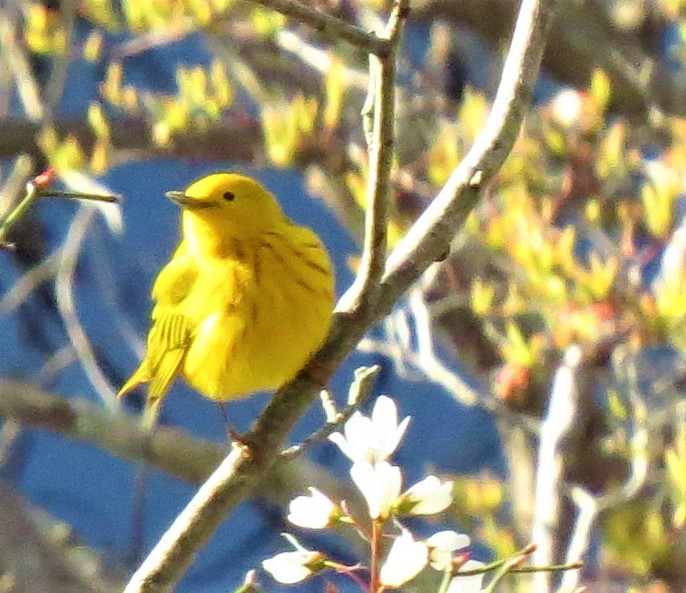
(245, 300)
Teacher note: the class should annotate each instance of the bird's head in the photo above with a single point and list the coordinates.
(228, 205)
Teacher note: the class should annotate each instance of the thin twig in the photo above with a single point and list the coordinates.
(55, 85)
(36, 189)
(360, 390)
(29, 282)
(64, 289)
(505, 569)
(53, 193)
(329, 25)
(243, 468)
(15, 183)
(319, 59)
(26, 84)
(58, 361)
(19, 210)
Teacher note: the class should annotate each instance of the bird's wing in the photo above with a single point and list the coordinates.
(169, 337)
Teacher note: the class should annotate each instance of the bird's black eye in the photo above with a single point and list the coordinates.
(228, 196)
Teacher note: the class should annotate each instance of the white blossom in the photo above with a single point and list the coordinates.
(468, 583)
(442, 545)
(427, 497)
(380, 484)
(372, 439)
(405, 560)
(313, 512)
(291, 567)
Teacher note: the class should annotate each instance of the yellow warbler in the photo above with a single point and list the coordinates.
(245, 300)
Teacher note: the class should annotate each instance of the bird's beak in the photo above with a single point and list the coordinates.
(187, 202)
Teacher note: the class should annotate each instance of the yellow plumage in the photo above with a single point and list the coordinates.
(244, 301)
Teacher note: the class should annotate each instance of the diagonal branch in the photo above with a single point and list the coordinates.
(169, 449)
(242, 469)
(430, 236)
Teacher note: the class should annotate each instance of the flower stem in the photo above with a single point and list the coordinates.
(445, 582)
(375, 552)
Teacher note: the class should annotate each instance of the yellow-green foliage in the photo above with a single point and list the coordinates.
(202, 97)
(285, 124)
(482, 511)
(638, 536)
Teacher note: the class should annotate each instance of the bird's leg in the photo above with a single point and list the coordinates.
(233, 434)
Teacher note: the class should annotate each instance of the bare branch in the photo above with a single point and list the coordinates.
(64, 289)
(36, 556)
(131, 137)
(563, 412)
(169, 449)
(589, 505)
(430, 236)
(29, 282)
(329, 25)
(27, 86)
(360, 390)
(380, 108)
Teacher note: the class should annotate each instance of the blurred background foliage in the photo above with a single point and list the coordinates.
(579, 240)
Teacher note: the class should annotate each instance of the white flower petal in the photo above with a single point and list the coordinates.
(380, 484)
(400, 432)
(441, 547)
(387, 432)
(427, 497)
(405, 560)
(313, 512)
(290, 567)
(385, 417)
(469, 583)
(372, 439)
(355, 442)
(339, 440)
(448, 540)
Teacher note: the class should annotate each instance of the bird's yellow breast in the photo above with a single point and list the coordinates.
(257, 312)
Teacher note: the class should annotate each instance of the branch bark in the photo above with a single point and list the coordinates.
(329, 25)
(378, 119)
(169, 449)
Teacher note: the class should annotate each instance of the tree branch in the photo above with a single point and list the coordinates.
(169, 449)
(430, 236)
(329, 25)
(378, 118)
(360, 390)
(133, 135)
(556, 431)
